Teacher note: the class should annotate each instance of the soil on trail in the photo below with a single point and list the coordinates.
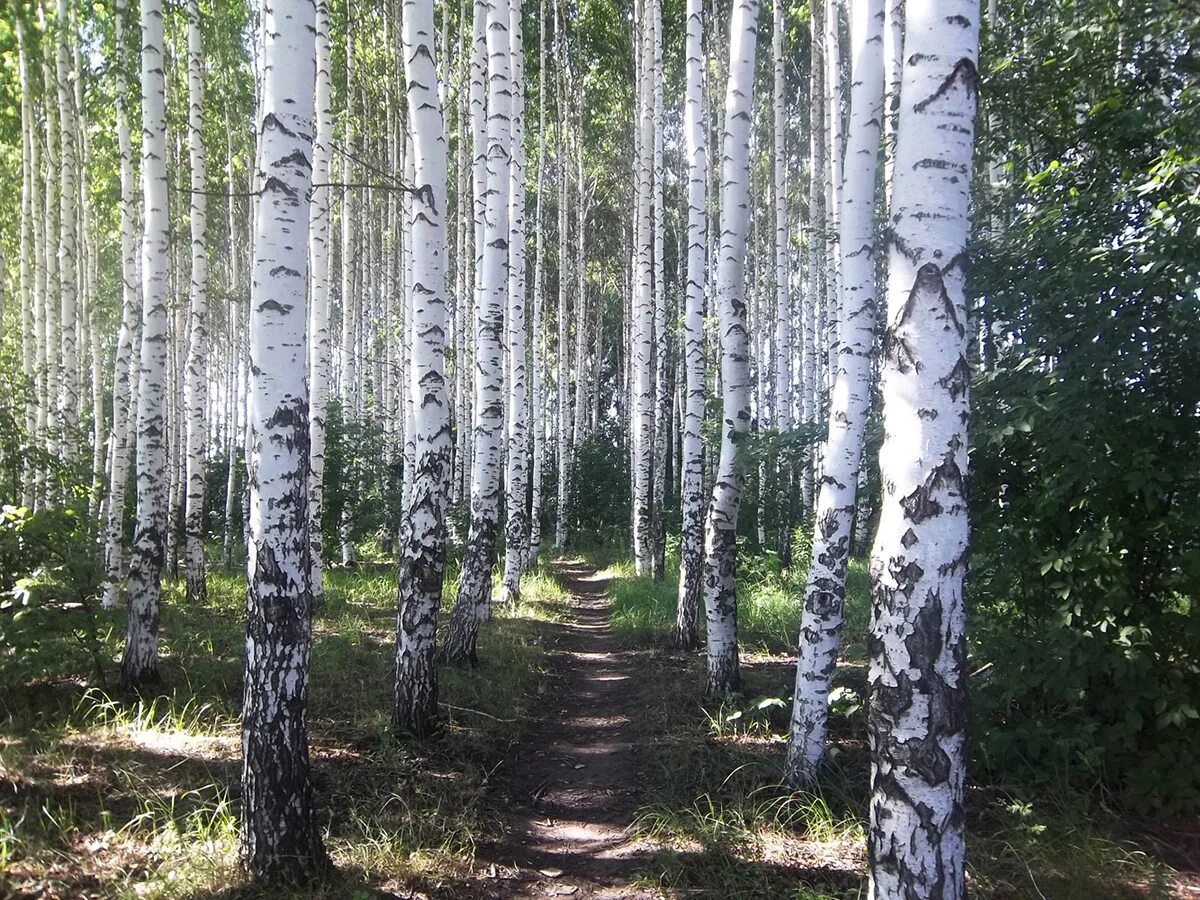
(574, 783)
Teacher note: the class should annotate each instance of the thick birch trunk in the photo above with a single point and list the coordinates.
(281, 840)
(687, 626)
(720, 593)
(821, 623)
(423, 552)
(474, 588)
(196, 403)
(139, 664)
(917, 683)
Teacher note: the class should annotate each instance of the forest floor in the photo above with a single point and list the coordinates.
(578, 759)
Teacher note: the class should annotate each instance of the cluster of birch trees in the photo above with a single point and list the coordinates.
(404, 189)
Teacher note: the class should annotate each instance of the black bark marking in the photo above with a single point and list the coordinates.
(964, 71)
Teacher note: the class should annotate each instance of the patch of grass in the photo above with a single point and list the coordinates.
(104, 794)
(769, 605)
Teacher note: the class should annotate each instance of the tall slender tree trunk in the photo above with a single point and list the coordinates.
(319, 342)
(821, 623)
(281, 840)
(562, 346)
(423, 554)
(52, 245)
(68, 398)
(124, 372)
(474, 588)
(28, 251)
(517, 480)
(782, 355)
(196, 403)
(917, 684)
(662, 395)
(643, 314)
(720, 592)
(537, 340)
(687, 626)
(139, 664)
(348, 363)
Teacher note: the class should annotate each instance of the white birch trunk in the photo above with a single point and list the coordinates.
(720, 592)
(27, 251)
(281, 839)
(782, 355)
(423, 553)
(474, 588)
(196, 402)
(687, 626)
(917, 682)
(662, 397)
(139, 664)
(68, 398)
(893, 67)
(319, 343)
(562, 347)
(52, 299)
(537, 342)
(517, 530)
(643, 317)
(821, 623)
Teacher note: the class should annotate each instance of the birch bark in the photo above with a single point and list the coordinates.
(917, 681)
(319, 344)
(474, 588)
(821, 622)
(196, 401)
(423, 552)
(139, 664)
(517, 480)
(687, 626)
(720, 594)
(643, 317)
(281, 840)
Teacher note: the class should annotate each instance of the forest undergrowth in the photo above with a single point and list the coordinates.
(119, 795)
(104, 794)
(728, 828)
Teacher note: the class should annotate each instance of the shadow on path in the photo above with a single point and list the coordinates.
(573, 783)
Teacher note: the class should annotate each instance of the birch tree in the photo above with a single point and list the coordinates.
(687, 630)
(720, 545)
(281, 840)
(474, 587)
(68, 253)
(423, 553)
(825, 593)
(196, 401)
(517, 530)
(642, 346)
(319, 342)
(124, 372)
(139, 664)
(537, 342)
(917, 682)
(782, 355)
